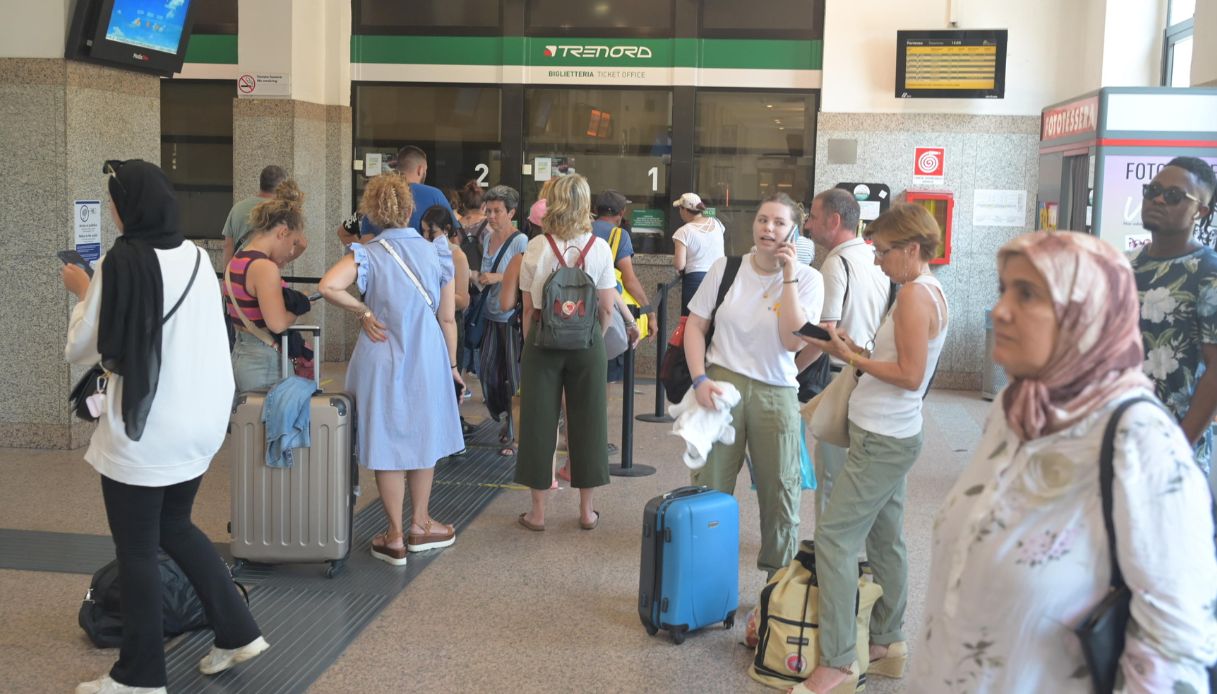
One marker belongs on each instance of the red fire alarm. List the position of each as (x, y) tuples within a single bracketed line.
[(941, 206)]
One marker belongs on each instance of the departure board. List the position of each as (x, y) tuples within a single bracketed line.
[(951, 64)]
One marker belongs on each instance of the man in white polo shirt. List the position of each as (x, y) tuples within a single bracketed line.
[(856, 294)]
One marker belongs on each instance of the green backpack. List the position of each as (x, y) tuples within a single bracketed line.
[(569, 306)]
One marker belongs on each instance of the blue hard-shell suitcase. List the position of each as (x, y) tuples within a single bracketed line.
[(689, 575)]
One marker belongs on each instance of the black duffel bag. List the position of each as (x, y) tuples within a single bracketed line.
[(101, 614)]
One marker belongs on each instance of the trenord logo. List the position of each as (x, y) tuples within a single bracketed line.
[(598, 51)]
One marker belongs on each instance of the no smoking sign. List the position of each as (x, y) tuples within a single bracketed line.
[(264, 84), (246, 84), (929, 165)]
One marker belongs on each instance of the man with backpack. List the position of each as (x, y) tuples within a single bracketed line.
[(610, 215)]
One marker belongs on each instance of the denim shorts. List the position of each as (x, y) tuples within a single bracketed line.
[(255, 365)]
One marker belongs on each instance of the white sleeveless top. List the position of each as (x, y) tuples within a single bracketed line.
[(883, 408)]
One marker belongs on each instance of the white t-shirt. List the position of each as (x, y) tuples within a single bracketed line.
[(193, 401), (859, 314), (703, 243), (540, 262), (746, 338)]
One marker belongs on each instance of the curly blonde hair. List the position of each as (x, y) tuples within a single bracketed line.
[(907, 223), (285, 208), (387, 202), (568, 211)]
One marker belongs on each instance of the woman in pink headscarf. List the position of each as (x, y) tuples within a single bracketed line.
[(1020, 551)]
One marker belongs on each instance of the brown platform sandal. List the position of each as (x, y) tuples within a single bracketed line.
[(395, 556)]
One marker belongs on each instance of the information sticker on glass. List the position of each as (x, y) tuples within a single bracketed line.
[(542, 169)]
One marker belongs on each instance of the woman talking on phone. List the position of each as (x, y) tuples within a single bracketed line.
[(151, 316), (753, 349)]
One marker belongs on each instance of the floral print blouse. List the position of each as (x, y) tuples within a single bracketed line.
[(1178, 316), (1020, 556)]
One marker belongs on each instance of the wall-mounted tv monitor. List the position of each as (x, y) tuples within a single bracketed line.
[(145, 35), (951, 64)]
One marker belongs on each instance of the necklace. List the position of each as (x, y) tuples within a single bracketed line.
[(768, 289)]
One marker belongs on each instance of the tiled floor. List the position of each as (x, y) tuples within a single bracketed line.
[(503, 610)]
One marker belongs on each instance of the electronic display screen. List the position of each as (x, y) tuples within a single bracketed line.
[(150, 24), (960, 64)]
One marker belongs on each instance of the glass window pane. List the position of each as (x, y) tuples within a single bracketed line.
[(655, 15), (747, 145), (215, 16), (783, 15), (1181, 11), (617, 138), (197, 108), (1181, 63), (458, 128), (196, 151), (408, 17)]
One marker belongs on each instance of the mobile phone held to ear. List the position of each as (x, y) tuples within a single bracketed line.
[(813, 330), (74, 258)]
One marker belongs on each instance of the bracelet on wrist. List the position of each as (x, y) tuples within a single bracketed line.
[(793, 281), (700, 380)]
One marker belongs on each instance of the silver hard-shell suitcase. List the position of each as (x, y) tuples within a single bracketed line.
[(303, 513)]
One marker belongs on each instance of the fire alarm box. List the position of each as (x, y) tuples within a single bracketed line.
[(941, 206)]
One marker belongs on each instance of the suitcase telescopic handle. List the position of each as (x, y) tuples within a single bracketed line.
[(285, 361), (684, 491)]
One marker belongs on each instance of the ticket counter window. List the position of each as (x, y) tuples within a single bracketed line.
[(458, 128), (196, 151), (617, 138), (747, 145)]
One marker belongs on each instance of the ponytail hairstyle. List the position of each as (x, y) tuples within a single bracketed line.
[(796, 209), (387, 202), (469, 196), (285, 208), (438, 217)]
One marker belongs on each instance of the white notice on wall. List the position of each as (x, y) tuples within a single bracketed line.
[(542, 170), (999, 208), (87, 223), (371, 165), (869, 209)]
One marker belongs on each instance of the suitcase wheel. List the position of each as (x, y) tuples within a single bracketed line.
[(729, 622), (678, 636), (335, 568), (237, 566), (652, 629)]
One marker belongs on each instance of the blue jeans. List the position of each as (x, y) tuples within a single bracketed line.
[(255, 365)]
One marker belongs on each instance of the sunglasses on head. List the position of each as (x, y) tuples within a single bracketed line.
[(1173, 195), (110, 168)]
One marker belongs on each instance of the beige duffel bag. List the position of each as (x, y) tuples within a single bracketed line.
[(789, 648)]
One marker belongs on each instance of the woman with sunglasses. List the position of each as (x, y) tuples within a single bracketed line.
[(866, 507), (1177, 282), (152, 317)]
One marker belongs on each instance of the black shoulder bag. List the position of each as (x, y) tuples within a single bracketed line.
[(1102, 631), (93, 382), (475, 322), (674, 371), (818, 374)]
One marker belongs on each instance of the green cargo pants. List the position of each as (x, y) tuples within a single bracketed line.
[(767, 421), (866, 507)]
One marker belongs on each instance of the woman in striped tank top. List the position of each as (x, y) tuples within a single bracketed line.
[(253, 287)]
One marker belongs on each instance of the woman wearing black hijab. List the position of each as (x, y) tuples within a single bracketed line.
[(154, 320)]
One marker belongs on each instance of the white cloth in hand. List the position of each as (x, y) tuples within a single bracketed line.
[(701, 428)]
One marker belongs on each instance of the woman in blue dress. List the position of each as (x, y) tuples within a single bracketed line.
[(405, 358)]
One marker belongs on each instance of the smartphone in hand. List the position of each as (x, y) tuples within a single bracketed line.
[(815, 331), (74, 258), (314, 296)]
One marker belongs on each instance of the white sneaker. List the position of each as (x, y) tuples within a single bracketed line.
[(106, 685), (220, 659)]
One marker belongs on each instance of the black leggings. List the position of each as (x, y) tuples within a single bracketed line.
[(141, 520)]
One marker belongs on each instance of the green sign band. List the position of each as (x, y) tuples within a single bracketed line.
[(579, 52), (212, 49)]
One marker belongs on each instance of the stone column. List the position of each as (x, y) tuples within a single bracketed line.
[(307, 131), (62, 119)]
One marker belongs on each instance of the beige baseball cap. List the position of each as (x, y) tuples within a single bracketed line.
[(690, 201)]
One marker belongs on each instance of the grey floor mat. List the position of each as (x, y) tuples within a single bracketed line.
[(307, 618)]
